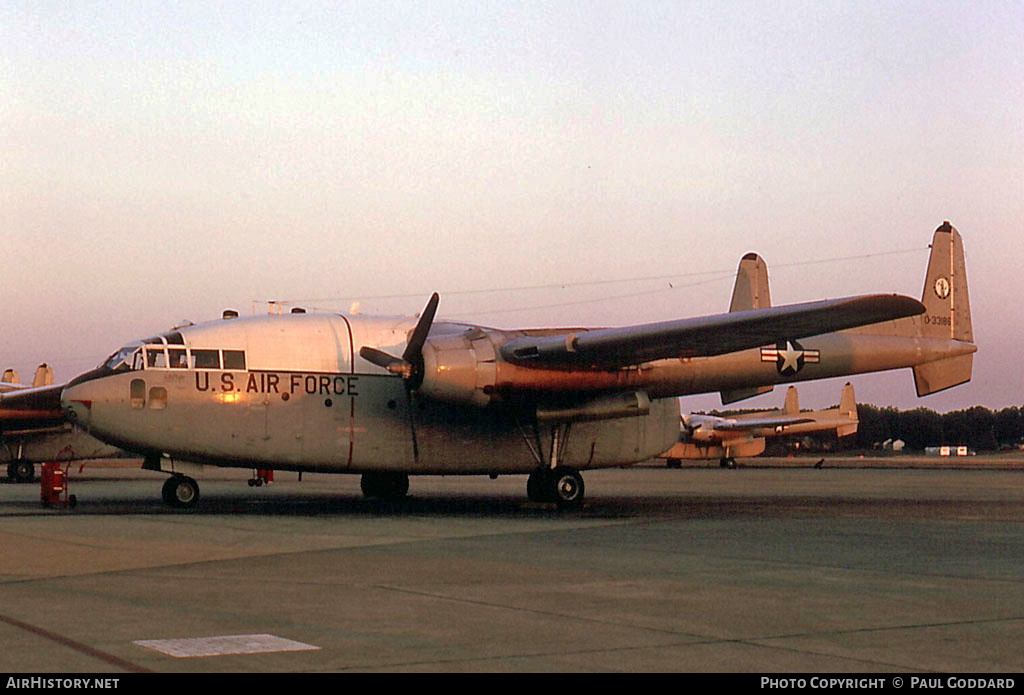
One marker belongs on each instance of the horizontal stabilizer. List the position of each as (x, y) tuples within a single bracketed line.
[(846, 430), (932, 377), (734, 425), (734, 395)]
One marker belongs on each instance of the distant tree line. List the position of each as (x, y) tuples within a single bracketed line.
[(978, 428)]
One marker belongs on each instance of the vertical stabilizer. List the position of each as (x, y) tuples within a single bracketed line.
[(848, 410), (44, 376), (848, 402), (10, 377), (948, 312), (749, 292), (751, 288), (792, 406), (945, 296)]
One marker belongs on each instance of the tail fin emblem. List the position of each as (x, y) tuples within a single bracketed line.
[(942, 288)]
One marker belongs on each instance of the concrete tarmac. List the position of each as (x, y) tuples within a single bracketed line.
[(757, 569)]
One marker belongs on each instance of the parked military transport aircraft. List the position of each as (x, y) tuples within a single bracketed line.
[(704, 437), (392, 397)]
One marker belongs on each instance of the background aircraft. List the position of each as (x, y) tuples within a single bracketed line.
[(390, 397), (706, 437), (33, 431)]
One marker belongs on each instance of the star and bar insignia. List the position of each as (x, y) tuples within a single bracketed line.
[(789, 357)]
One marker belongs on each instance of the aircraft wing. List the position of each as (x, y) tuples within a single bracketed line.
[(731, 425), (705, 336), (31, 407)]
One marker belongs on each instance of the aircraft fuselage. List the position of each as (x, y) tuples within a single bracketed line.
[(221, 393)]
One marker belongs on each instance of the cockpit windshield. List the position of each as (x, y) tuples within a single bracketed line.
[(123, 359)]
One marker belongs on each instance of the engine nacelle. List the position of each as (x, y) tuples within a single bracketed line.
[(463, 368), (460, 368)]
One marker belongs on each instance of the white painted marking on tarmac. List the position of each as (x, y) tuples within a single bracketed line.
[(222, 646)]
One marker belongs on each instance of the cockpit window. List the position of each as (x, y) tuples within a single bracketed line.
[(174, 338), (156, 358), (177, 357), (155, 355), (122, 358)]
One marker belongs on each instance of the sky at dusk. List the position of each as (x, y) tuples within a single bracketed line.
[(537, 163)]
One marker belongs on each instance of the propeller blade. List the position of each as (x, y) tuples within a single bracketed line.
[(395, 365), (414, 348), (410, 363)]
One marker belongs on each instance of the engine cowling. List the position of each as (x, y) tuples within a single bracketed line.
[(460, 368)]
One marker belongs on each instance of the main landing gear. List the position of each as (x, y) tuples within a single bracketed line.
[(181, 492), (562, 485), (21, 472), (385, 485), (552, 480)]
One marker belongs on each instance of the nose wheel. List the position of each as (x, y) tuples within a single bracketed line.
[(181, 492)]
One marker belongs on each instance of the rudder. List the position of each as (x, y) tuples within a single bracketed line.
[(947, 312)]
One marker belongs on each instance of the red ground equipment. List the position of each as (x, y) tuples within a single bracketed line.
[(261, 477), (54, 486)]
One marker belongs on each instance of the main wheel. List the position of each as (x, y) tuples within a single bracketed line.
[(21, 472), (181, 491), (565, 485), (385, 485)]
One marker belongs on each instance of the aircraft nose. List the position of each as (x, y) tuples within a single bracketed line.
[(77, 405)]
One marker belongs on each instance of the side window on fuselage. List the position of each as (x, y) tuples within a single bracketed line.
[(137, 393), (205, 359), (234, 359)]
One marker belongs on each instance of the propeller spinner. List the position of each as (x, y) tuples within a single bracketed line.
[(410, 365)]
